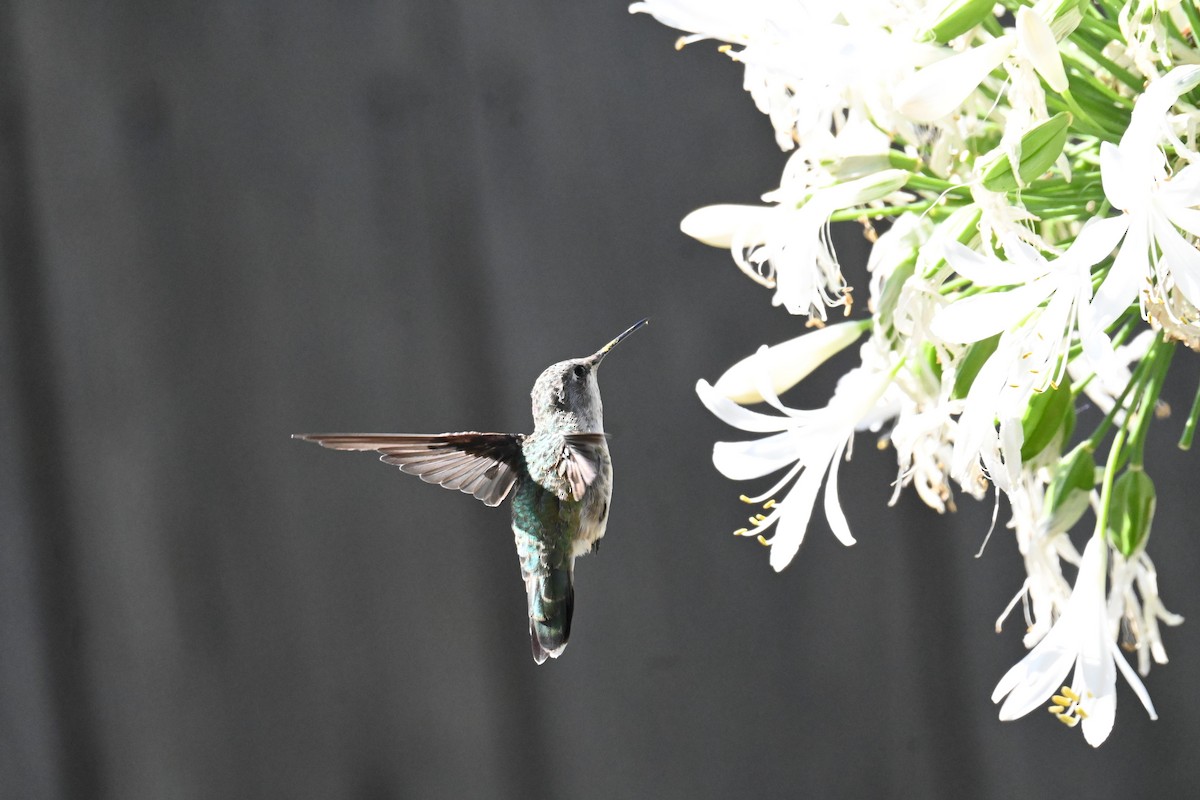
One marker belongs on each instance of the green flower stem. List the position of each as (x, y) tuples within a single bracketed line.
[(1081, 185), (1083, 121), (1193, 16), (1077, 199), (900, 160), (1109, 121), (1056, 211), (1092, 44), (1173, 29), (1189, 427), (992, 25), (1110, 471), (1101, 25), (929, 183), (1149, 399), (857, 213), (1135, 381), (1086, 73)]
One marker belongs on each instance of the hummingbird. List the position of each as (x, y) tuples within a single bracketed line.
[(559, 477)]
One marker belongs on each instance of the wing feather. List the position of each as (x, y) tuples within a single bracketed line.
[(580, 461), (485, 465)]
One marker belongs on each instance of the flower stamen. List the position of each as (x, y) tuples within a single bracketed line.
[(1067, 708)]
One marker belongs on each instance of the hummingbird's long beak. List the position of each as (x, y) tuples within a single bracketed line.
[(599, 355)]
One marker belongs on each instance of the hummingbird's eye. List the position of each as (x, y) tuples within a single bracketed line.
[(580, 371)]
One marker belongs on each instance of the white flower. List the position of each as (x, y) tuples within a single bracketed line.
[(787, 245), (1080, 638), (1037, 319), (807, 443), (1037, 44), (924, 442), (727, 22), (1004, 220), (1140, 617), (941, 88), (808, 64), (786, 363), (1107, 383), (1045, 592), (1156, 204)]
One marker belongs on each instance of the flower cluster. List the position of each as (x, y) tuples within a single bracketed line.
[(1035, 171)]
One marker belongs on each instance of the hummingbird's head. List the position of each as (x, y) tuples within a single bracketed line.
[(568, 392)]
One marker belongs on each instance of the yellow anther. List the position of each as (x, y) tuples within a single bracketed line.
[(1056, 709), (769, 504), (1068, 720), (741, 532), (725, 48), (1058, 699), (681, 42), (1027, 355), (745, 499), (763, 541), (1071, 693), (1082, 714)]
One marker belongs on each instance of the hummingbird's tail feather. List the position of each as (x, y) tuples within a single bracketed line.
[(551, 603)]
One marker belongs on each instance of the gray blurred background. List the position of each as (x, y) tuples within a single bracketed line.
[(225, 222)]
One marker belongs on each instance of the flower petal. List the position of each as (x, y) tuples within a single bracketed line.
[(1128, 274), (1098, 238), (789, 532), (980, 316), (1120, 181), (731, 413), (720, 225), (833, 508), (984, 271), (786, 363), (1135, 682), (1182, 258), (1038, 45), (940, 89), (742, 461), (1034, 678)]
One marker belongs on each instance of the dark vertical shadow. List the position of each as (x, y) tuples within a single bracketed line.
[(40, 446)]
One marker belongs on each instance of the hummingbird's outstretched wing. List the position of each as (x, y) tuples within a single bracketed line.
[(485, 465), (580, 461)]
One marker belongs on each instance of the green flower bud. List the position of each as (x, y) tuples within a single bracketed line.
[(1130, 511), (970, 364), (891, 290), (1040, 148), (956, 18), (1067, 495), (1048, 413)]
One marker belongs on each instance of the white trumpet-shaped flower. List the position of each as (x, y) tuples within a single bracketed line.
[(1140, 611), (1081, 639), (787, 245), (1156, 204), (1037, 318), (941, 89), (786, 363), (807, 443)]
